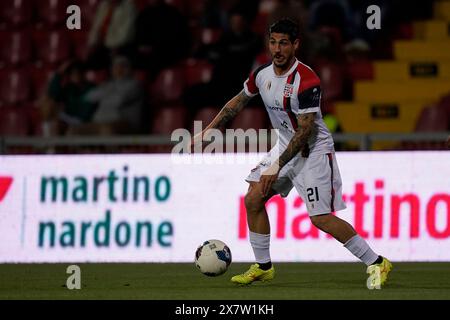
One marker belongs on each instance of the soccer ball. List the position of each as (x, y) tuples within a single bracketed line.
[(213, 258)]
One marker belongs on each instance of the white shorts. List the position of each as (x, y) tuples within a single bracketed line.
[(317, 180)]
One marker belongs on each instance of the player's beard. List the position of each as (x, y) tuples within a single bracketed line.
[(284, 64)]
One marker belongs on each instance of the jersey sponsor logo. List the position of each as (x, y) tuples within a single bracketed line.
[(269, 85), (275, 108), (288, 90)]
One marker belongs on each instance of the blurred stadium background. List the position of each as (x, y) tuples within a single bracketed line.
[(181, 60)]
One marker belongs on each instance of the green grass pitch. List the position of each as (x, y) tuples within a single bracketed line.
[(294, 281)]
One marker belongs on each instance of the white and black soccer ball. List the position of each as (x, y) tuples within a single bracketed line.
[(213, 258)]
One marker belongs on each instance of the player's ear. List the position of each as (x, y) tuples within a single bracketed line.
[(296, 44)]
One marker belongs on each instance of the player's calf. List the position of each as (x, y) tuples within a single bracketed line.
[(341, 230)]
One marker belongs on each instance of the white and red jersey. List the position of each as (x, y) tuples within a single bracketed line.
[(294, 93)]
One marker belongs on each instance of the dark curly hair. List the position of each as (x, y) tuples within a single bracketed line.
[(286, 26)]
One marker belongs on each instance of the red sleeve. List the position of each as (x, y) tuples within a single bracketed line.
[(309, 79), (309, 91), (250, 85)]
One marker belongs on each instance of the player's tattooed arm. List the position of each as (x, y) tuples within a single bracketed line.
[(230, 110), (306, 128)]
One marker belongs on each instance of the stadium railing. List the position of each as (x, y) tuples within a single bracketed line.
[(43, 145)]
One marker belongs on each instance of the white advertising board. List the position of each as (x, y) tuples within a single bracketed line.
[(151, 208)]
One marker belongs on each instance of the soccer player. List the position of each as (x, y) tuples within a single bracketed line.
[(303, 157)]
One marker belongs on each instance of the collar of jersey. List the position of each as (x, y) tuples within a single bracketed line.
[(294, 66)]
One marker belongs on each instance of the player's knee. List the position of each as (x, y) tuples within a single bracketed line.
[(253, 202), (322, 221)]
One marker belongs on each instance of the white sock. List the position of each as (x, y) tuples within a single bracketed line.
[(261, 246), (360, 249)]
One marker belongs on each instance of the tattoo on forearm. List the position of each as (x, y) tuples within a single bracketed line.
[(300, 139), (225, 115), (231, 109)]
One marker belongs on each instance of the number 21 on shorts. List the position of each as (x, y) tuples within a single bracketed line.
[(313, 194)]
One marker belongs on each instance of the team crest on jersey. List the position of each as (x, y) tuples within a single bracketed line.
[(269, 85), (288, 90)]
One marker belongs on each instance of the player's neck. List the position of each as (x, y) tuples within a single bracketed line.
[(282, 71)]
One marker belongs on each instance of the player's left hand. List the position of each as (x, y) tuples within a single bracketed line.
[(268, 178)]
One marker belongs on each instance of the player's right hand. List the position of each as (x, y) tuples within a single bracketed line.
[(268, 178)]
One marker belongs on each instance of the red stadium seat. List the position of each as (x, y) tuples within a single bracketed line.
[(164, 122), (141, 75), (14, 121), (14, 87), (433, 119), (140, 4), (445, 105), (168, 119), (40, 78), (262, 58), (194, 8), (16, 48), (35, 120), (210, 36), (260, 24), (39, 127), (205, 36), (179, 4), (332, 79), (404, 31), (206, 115), (52, 47), (79, 41), (327, 107), (88, 9), (52, 12), (333, 35), (16, 12), (168, 86), (360, 70), (197, 71), (251, 117), (97, 76)]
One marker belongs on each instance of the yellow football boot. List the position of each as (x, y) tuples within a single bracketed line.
[(254, 274), (378, 273)]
